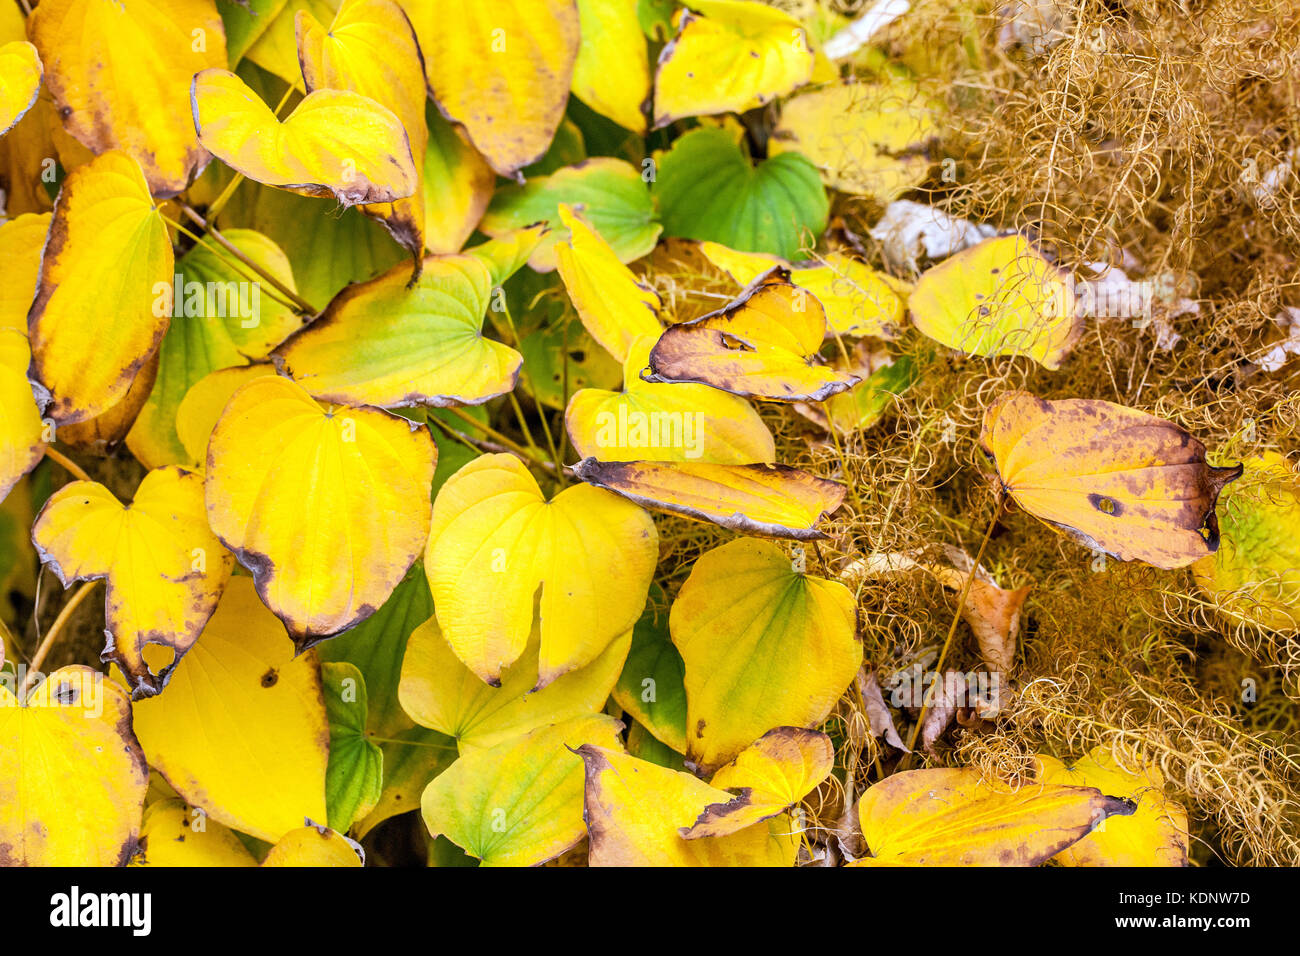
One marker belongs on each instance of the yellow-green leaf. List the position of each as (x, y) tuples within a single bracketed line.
[(107, 243), (496, 539), (458, 185), (441, 693), (775, 501), (120, 71), (390, 343), (72, 777), (335, 143), (765, 645), (292, 489), (241, 730), (518, 803)]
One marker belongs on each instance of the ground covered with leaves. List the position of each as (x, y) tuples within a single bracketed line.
[(629, 432)]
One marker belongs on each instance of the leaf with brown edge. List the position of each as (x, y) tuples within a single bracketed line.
[(501, 69), (292, 488), (635, 811), (952, 817), (496, 540), (1114, 479), (164, 568), (20, 81), (107, 243), (763, 344), (771, 775), (119, 72), (370, 48), (775, 501), (336, 143), (72, 775), (102, 433), (395, 342)]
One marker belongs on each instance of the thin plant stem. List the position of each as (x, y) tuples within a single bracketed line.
[(68, 465), (57, 628)]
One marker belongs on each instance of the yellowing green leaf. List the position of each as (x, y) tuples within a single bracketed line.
[(107, 243), (203, 404), (614, 199), (72, 777), (389, 343), (775, 501), (509, 251), (370, 48), (174, 834), (1112, 478), (20, 81), (335, 143), (292, 489), (219, 319), (663, 421), (441, 693), (771, 775), (518, 803), (241, 730), (314, 846), (1156, 833), (354, 780), (635, 811), (119, 71), (952, 817), (614, 307), (496, 539), (612, 72), (1000, 297), (858, 300), (501, 69), (864, 138), (765, 645), (650, 686), (164, 568), (22, 433), (458, 185), (761, 345), (736, 56)]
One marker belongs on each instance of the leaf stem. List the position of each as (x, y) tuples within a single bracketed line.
[(501, 439), (68, 465), (52, 635)]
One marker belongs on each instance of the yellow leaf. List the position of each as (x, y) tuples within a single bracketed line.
[(20, 81), (370, 48), (21, 241), (335, 143), (858, 300), (614, 307), (635, 811), (864, 138), (1114, 479), (657, 421), (173, 834), (518, 803), (763, 344), (102, 433), (501, 69), (440, 692), (314, 846), (107, 243), (1156, 833), (387, 342), (203, 404), (163, 567), (1255, 574), (1000, 297), (496, 539), (738, 55), (765, 645), (775, 501), (293, 488), (23, 153), (612, 72), (241, 730), (458, 185), (771, 775), (119, 71), (951, 817), (22, 433), (72, 777)]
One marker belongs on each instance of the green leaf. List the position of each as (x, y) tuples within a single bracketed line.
[(613, 196), (707, 189), (354, 780), (565, 349), (651, 686), (412, 758), (245, 21)]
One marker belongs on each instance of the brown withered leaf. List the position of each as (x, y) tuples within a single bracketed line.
[(878, 715)]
